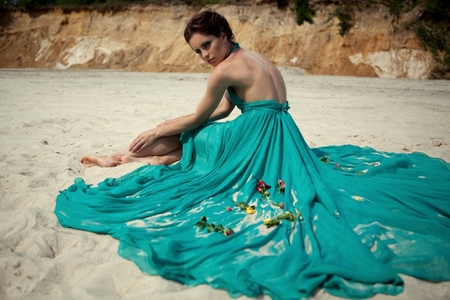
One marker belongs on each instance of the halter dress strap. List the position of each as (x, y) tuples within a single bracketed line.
[(234, 47)]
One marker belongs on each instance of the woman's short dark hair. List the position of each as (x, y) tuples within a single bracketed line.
[(210, 23)]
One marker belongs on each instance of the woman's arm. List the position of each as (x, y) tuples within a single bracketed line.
[(219, 80), (224, 108), (166, 122)]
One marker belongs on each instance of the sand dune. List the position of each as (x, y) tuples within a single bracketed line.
[(49, 119)]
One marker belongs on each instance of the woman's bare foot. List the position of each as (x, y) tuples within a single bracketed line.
[(102, 161)]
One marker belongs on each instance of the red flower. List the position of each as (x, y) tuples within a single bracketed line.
[(228, 231), (261, 187), (282, 205)]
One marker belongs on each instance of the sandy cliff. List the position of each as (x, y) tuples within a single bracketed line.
[(149, 38)]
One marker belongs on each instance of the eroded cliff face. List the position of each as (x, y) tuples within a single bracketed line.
[(150, 38)]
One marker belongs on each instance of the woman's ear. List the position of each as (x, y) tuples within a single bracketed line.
[(223, 36)]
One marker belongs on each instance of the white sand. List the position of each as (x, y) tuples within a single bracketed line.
[(49, 119)]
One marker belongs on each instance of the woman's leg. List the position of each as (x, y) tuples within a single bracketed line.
[(165, 159), (164, 150)]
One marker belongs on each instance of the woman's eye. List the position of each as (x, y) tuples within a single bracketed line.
[(197, 51), (206, 45)]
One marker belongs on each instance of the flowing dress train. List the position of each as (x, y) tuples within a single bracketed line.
[(252, 209)]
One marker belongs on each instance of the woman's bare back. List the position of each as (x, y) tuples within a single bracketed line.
[(259, 79)]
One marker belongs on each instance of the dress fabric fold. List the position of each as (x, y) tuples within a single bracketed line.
[(250, 208)]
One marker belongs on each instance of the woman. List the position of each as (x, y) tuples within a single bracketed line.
[(251, 209), (250, 75)]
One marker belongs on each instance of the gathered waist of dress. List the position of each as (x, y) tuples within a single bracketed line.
[(265, 105)]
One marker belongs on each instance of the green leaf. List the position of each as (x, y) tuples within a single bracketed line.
[(201, 224), (287, 216), (271, 222), (242, 205)]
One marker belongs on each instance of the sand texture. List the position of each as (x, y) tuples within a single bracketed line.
[(49, 119)]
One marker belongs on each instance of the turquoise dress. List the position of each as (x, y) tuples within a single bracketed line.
[(250, 208)]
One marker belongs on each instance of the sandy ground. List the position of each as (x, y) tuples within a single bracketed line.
[(49, 119)]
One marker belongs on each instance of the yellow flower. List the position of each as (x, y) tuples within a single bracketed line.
[(250, 210), (271, 222), (267, 221)]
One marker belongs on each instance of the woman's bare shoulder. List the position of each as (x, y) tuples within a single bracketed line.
[(233, 69)]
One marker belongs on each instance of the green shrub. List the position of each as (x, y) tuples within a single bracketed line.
[(304, 12), (30, 4), (432, 28), (344, 14), (282, 4), (395, 6)]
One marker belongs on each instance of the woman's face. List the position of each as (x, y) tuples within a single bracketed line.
[(211, 49)]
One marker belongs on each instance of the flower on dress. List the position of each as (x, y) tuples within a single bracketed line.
[(324, 159), (250, 210), (242, 205), (280, 205), (281, 186), (228, 208), (262, 187), (228, 231), (203, 223), (288, 216), (271, 222), (211, 227)]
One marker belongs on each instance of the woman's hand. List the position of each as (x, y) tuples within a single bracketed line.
[(143, 140)]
